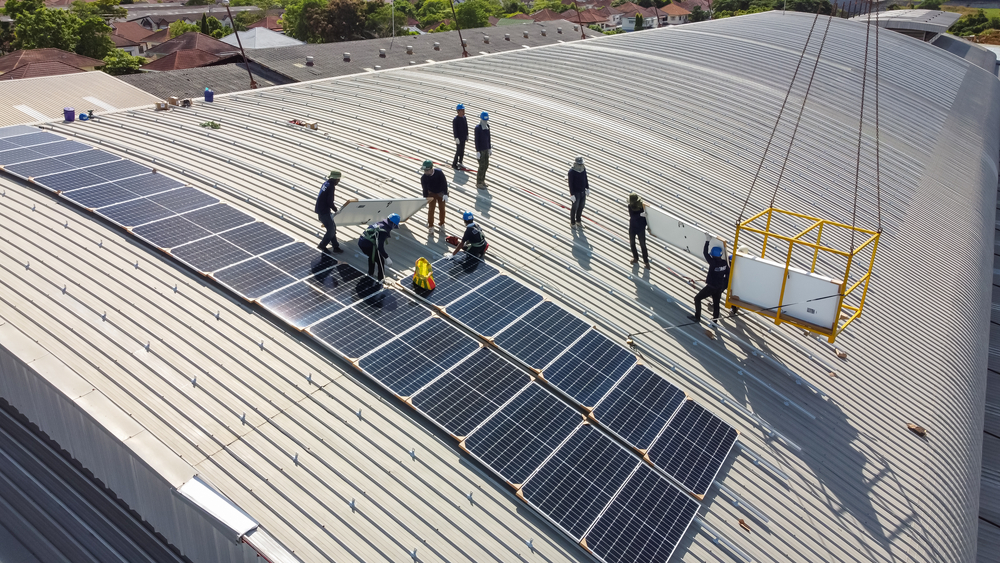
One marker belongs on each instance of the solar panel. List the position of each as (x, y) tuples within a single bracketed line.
[(218, 218), (118, 170), (7, 145), (494, 305), (13, 130), (132, 213), (257, 238), (693, 447), (86, 158), (639, 407), (14, 156), (34, 138), (253, 278), (183, 199), (100, 195), (170, 232), (589, 368), (469, 393), (415, 358), (149, 184), (69, 180), (518, 438), (41, 167), (454, 278), (541, 335), (300, 260), (579, 480), (353, 333), (60, 148), (209, 254), (343, 284), (300, 304)]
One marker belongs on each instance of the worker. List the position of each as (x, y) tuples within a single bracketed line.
[(484, 148), (460, 127), (435, 187), (473, 236), (372, 243), (579, 189), (325, 208), (716, 281), (637, 227)]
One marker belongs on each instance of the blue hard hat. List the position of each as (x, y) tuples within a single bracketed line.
[(716, 251), (394, 218), (484, 116), (460, 106), (467, 216)]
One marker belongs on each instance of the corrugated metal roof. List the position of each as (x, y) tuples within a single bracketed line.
[(31, 100), (935, 21), (260, 37), (688, 135), (191, 82)]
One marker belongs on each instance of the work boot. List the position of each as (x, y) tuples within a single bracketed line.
[(634, 261), (734, 312), (694, 318), (321, 248), (338, 250), (646, 265)]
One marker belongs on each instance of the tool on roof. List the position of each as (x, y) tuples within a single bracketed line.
[(918, 430), (796, 293), (423, 274)]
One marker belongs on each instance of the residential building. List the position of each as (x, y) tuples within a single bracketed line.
[(260, 38), (185, 58), (134, 33), (35, 70), (127, 45), (193, 40), (674, 14), (23, 57), (272, 22)]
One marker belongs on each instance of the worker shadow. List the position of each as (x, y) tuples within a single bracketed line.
[(484, 201), (582, 250), (461, 177)]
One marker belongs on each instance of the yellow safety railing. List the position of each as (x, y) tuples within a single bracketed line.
[(816, 225)]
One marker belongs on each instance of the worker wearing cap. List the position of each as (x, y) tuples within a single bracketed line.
[(372, 243), (473, 236), (325, 208), (460, 127), (579, 189), (715, 282), (435, 187), (637, 227), (484, 148)]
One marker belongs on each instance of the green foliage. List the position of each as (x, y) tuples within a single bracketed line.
[(82, 29), (317, 21), (45, 28), (511, 7), (698, 15), (204, 24), (119, 62), (264, 4), (474, 13), (243, 20), (554, 5), (107, 10), (198, 2), (378, 22), (929, 5), (15, 8), (433, 11), (95, 38), (974, 24), (720, 15), (180, 27), (638, 22)]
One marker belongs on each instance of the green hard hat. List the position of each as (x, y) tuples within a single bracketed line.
[(334, 175), (427, 165)]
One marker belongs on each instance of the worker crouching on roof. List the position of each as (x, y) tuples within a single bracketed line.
[(435, 187), (484, 149), (637, 227), (325, 208), (473, 237), (579, 189), (460, 127), (716, 281), (372, 243)]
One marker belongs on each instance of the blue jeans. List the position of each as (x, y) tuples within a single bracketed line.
[(331, 230), (576, 210)]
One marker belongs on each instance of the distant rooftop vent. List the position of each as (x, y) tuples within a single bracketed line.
[(576, 28), (506, 37), (309, 60), (381, 53), (543, 33), (465, 42), (409, 49), (437, 46), (558, 30), (347, 57), (525, 34), (486, 39), (413, 62), (377, 67)]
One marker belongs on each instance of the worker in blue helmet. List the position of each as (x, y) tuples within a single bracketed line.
[(484, 149), (460, 128), (716, 281), (473, 237), (372, 243), (325, 208)]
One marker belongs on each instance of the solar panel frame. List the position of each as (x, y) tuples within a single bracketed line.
[(15, 130), (301, 260), (693, 447), (86, 158), (149, 184), (101, 195), (494, 305), (639, 407), (209, 254), (455, 278), (70, 180), (60, 148), (257, 238), (170, 232), (300, 304), (589, 368), (44, 166), (133, 213), (16, 156), (253, 278), (118, 170), (541, 334), (218, 218), (351, 331), (37, 137), (183, 199)]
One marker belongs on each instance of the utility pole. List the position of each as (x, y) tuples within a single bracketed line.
[(253, 83)]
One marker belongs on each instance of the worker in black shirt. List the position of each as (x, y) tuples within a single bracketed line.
[(715, 282), (637, 227), (579, 189), (325, 209), (473, 236), (484, 149), (372, 243), (460, 128), (435, 187)]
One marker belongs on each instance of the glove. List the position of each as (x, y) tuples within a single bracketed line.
[(708, 237), (457, 142), (478, 156), (572, 198), (588, 193), (643, 214), (388, 261), (489, 152), (445, 198), (452, 256)]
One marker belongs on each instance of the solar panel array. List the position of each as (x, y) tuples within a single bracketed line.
[(585, 482)]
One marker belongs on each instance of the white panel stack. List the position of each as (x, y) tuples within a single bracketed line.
[(368, 211), (808, 297), (678, 232)]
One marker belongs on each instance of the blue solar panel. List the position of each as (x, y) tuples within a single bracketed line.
[(353, 333), (15, 156), (541, 335), (183, 199), (70, 180), (100, 195), (149, 184), (494, 305), (639, 407), (300, 304), (518, 438), (34, 138), (579, 480), (300, 260), (60, 148), (133, 213), (118, 170), (468, 394), (588, 370), (7, 145), (257, 238), (253, 278), (218, 218), (209, 254), (35, 168), (170, 232), (414, 359), (693, 447), (454, 278), (14, 130), (343, 284), (86, 158)]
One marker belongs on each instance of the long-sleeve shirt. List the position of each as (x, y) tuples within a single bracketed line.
[(435, 183), (578, 182), (324, 201), (474, 236), (636, 222), (482, 139), (382, 230), (718, 269), (460, 127)]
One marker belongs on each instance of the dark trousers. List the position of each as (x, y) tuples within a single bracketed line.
[(484, 163), (642, 243), (576, 210), (374, 261), (331, 230), (715, 293), (477, 252), (459, 154)]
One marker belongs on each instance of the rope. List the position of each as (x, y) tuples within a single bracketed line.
[(878, 160), (861, 123), (778, 120)]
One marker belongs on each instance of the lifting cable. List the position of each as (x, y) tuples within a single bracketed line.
[(861, 123), (777, 121), (878, 160)]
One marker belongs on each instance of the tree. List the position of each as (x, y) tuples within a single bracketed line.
[(44, 28), (180, 27), (432, 11), (14, 8), (511, 7), (107, 10), (119, 62), (378, 21), (198, 3), (929, 5), (554, 5), (698, 15), (318, 21), (472, 14), (204, 24), (94, 38)]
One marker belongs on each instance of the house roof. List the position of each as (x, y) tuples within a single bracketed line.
[(185, 58), (630, 9), (270, 22), (588, 16), (35, 70), (158, 37), (191, 82), (120, 42), (674, 10), (689, 5), (193, 40), (17, 58), (29, 100), (547, 14), (261, 38), (131, 30)]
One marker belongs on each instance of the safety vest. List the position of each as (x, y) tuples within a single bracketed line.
[(423, 274), (482, 237), (371, 234)]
